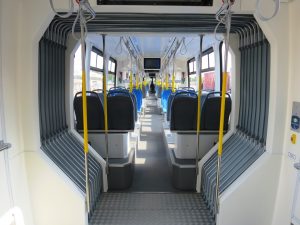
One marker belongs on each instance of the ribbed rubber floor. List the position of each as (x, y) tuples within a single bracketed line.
[(151, 209)]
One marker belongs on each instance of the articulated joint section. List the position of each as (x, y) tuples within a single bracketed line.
[(4, 146)]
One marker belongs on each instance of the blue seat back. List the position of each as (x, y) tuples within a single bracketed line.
[(171, 97), (164, 99), (184, 111), (120, 108), (139, 97)]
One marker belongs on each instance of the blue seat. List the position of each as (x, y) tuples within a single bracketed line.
[(120, 109), (164, 99), (171, 97), (139, 97)]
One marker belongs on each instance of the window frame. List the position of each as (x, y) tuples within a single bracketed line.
[(96, 69), (207, 52), (100, 53)]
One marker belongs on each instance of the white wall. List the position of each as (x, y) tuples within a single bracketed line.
[(55, 199), (9, 63), (284, 202)]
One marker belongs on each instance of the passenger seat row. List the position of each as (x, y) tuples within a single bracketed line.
[(121, 109), (183, 111)]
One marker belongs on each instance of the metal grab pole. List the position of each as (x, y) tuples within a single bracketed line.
[(221, 134), (105, 104), (224, 86), (84, 110), (167, 81), (130, 77), (199, 104), (173, 75)]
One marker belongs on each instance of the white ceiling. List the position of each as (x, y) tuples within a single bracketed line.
[(152, 45)]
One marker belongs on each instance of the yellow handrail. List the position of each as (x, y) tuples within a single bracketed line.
[(84, 110), (130, 83), (221, 128), (167, 81), (137, 79), (220, 144), (199, 104), (173, 83), (85, 121), (105, 104)]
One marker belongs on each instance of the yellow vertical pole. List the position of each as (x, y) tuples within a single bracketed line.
[(130, 82), (84, 112), (221, 128), (137, 81), (173, 83), (167, 81), (199, 104), (105, 104)]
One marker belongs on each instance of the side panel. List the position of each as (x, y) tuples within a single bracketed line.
[(250, 199), (55, 199)]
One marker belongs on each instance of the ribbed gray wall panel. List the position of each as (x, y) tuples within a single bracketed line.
[(57, 142), (242, 149)]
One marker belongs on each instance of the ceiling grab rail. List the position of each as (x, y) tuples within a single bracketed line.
[(82, 18), (224, 17), (199, 103)]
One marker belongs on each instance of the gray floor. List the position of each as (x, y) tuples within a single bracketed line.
[(152, 172), (151, 200), (151, 209)]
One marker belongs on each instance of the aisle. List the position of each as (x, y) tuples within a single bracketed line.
[(152, 173), (151, 200)]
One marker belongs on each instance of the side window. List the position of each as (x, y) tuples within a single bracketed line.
[(95, 72), (77, 71), (192, 76), (112, 70), (96, 69), (208, 71)]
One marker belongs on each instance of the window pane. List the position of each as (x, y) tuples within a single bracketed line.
[(77, 72), (96, 80), (191, 67), (110, 81), (99, 62), (229, 67), (109, 65), (93, 62), (113, 67), (211, 60), (208, 81), (193, 81), (195, 68), (204, 62)]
